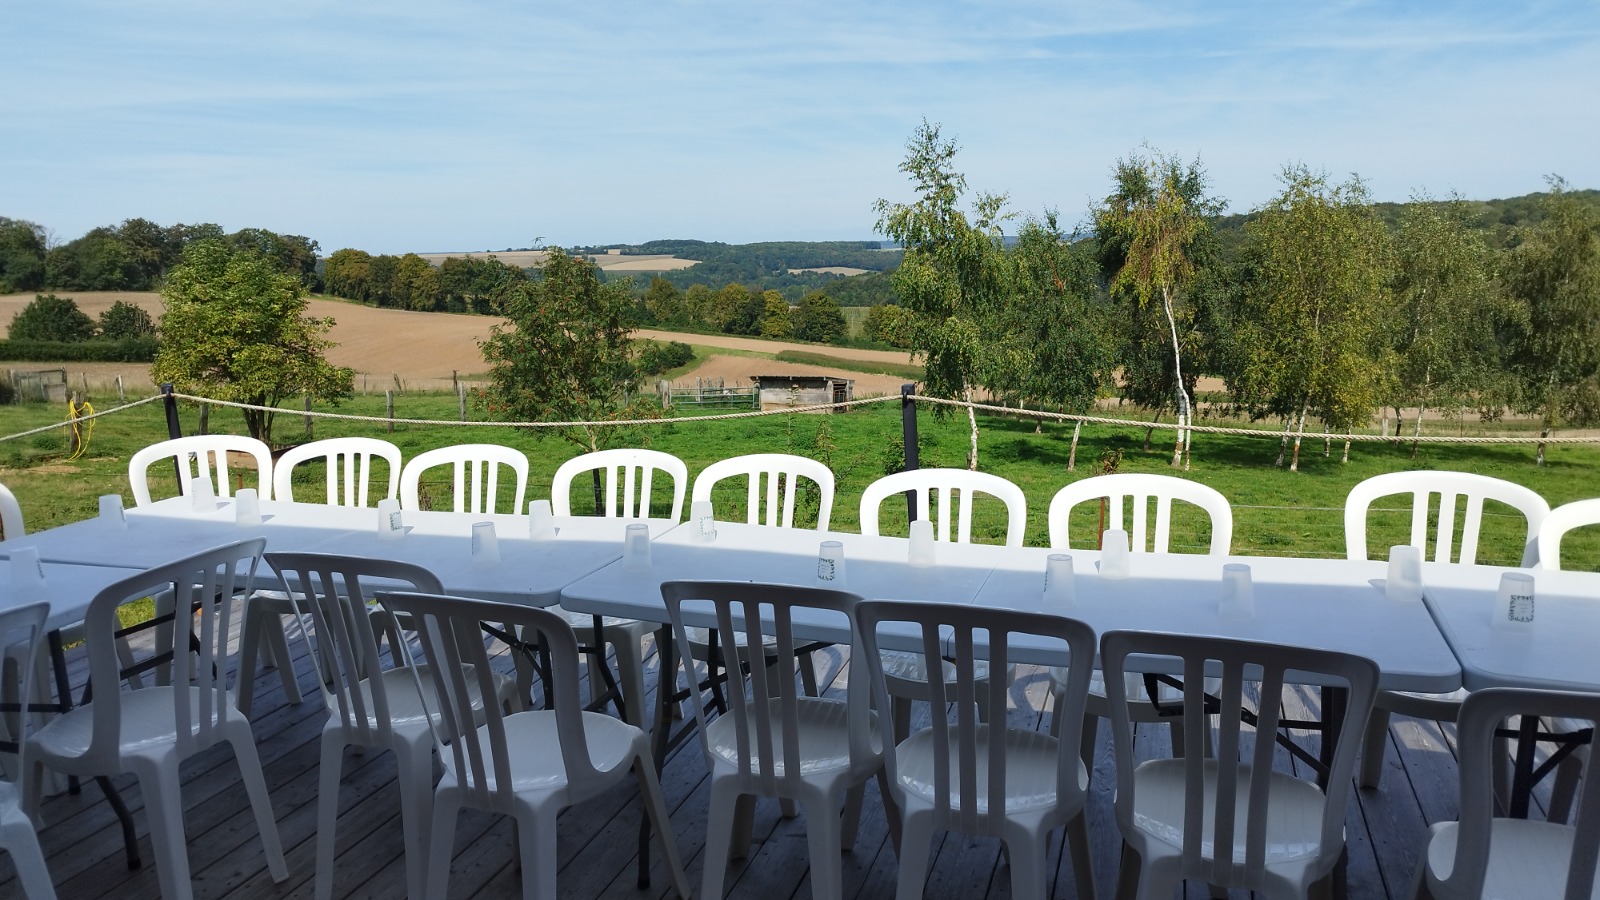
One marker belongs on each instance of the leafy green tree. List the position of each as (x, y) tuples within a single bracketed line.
[(1154, 231), (1318, 269), (887, 323), (124, 320), (293, 253), (235, 329), (665, 302), (22, 253), (469, 284), (566, 354), (820, 320), (416, 284), (51, 318), (953, 276), (1554, 274), (700, 306), (1446, 311), (775, 316), (348, 274), (99, 261)]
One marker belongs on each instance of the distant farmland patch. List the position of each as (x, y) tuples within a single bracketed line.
[(832, 270), (610, 262)]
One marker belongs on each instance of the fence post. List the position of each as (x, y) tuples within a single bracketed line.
[(908, 437), (120, 397), (308, 417), (174, 430), (388, 402), (461, 394)]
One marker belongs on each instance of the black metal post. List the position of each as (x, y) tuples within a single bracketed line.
[(599, 499), (174, 431), (908, 436)]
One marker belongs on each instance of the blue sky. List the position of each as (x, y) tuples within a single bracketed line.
[(398, 126)]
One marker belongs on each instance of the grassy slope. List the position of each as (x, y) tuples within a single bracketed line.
[(1276, 511)]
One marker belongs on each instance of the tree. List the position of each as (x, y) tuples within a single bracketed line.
[(1446, 311), (775, 316), (665, 302), (22, 253), (886, 323), (1153, 230), (348, 274), (566, 354), (1554, 274), (51, 318), (819, 319), (235, 329), (952, 278), (1317, 270), (124, 320), (416, 284)]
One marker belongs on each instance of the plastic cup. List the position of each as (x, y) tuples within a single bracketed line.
[(703, 520), (27, 572), (1404, 580), (112, 515), (830, 564), (1514, 605), (247, 508), (541, 521), (636, 548), (1058, 579), (1238, 597), (923, 552), (202, 496), (391, 525), (485, 545), (1114, 561)]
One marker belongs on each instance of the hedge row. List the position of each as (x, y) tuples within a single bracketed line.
[(137, 349)]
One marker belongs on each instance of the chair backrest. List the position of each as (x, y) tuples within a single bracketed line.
[(475, 486), (780, 498), (451, 636), (1230, 849), (197, 455), (21, 633), (1481, 716), (1449, 486), (349, 469), (632, 470), (11, 525), (960, 482), (333, 592), (1137, 490), (1561, 520), (969, 760), (205, 583), (757, 610)]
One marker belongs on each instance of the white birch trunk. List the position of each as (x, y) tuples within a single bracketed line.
[(972, 420), (1299, 435), (1072, 456)]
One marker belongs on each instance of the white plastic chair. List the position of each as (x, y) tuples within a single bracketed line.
[(368, 706), (348, 465), (1128, 498), (475, 479), (773, 741), (150, 731), (960, 483), (11, 524), (201, 454), (1484, 856), (630, 479), (1274, 833), (1138, 491), (906, 674), (772, 468), (1450, 488), (21, 633), (1561, 520), (530, 765), (348, 462), (1015, 784)]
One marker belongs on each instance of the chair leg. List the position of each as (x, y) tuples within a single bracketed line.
[(1087, 739), (1374, 743), (1128, 866), (630, 675), (744, 817), (28, 858), (414, 765), (822, 836), (255, 785), (1028, 856), (808, 674), (278, 649), (915, 847), (442, 840), (536, 835), (163, 803), (721, 817), (650, 789), (1565, 786), (1082, 858), (328, 777), (850, 819)]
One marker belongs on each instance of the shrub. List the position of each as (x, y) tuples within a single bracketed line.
[(51, 318), (655, 358), (126, 350)]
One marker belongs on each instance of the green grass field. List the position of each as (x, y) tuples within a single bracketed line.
[(1276, 511)]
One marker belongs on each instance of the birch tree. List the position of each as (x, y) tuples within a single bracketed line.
[(1316, 270), (952, 279), (1154, 230)]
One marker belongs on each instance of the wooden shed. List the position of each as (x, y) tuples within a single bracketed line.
[(778, 391)]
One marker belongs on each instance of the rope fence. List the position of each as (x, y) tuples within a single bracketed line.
[(1078, 418)]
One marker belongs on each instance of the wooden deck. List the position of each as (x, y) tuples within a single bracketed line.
[(598, 841)]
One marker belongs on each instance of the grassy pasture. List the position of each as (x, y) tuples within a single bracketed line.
[(1276, 512)]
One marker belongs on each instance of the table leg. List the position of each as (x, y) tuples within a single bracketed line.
[(1522, 772)]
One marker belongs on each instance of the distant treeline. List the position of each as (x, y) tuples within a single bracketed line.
[(766, 266)]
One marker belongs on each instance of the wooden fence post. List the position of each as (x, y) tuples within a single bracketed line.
[(388, 403), (461, 395)]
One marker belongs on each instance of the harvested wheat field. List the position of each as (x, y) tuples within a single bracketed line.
[(610, 262)]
